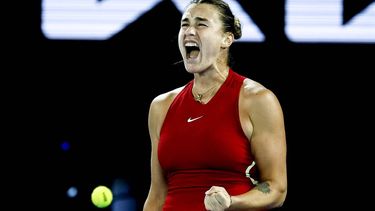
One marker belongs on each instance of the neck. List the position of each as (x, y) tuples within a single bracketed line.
[(206, 95), (205, 86)]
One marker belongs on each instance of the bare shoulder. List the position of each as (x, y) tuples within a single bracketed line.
[(158, 110), (161, 103), (166, 98), (255, 93)]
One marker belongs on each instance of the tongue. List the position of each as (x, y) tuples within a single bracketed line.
[(194, 54)]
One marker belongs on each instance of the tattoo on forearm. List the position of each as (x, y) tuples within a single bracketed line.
[(263, 187)]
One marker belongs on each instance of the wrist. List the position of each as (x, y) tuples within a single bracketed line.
[(231, 201)]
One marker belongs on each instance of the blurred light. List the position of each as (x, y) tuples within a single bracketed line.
[(100, 20), (122, 197), (322, 21), (72, 192), (65, 145)]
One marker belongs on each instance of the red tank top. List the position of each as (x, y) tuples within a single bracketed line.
[(202, 145)]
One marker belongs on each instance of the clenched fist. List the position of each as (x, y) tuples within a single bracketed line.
[(217, 199)]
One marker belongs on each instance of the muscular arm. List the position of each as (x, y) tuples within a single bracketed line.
[(158, 188), (263, 123)]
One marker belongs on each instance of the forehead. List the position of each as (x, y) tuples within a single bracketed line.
[(205, 11)]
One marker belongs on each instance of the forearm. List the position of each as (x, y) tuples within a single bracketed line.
[(264, 196), (152, 207), (155, 199), (153, 204)]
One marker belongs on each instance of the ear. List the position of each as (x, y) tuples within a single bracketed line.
[(227, 40)]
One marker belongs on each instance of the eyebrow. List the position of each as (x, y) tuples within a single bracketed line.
[(197, 18)]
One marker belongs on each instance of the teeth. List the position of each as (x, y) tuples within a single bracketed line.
[(191, 44)]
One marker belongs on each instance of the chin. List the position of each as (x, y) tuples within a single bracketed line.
[(192, 68)]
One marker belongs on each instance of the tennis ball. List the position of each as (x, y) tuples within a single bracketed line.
[(101, 196)]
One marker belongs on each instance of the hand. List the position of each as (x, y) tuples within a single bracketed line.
[(217, 199)]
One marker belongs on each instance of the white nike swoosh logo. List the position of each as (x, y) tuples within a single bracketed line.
[(193, 119)]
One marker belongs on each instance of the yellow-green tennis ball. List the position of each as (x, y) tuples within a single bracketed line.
[(101, 196)]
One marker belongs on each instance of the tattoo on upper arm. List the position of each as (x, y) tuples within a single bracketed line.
[(263, 187)]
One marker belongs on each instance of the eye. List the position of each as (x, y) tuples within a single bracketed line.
[(202, 25), (184, 25)]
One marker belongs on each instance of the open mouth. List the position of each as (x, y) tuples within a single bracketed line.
[(192, 50)]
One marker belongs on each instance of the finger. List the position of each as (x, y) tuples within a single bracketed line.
[(222, 199), (211, 190), (211, 203), (208, 203), (215, 203)]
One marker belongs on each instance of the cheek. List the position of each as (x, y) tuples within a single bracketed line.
[(211, 42), (180, 35), (211, 47), (180, 41)]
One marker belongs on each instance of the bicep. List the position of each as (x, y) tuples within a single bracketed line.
[(158, 187), (268, 138)]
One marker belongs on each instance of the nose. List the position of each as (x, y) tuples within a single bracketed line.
[(190, 31)]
